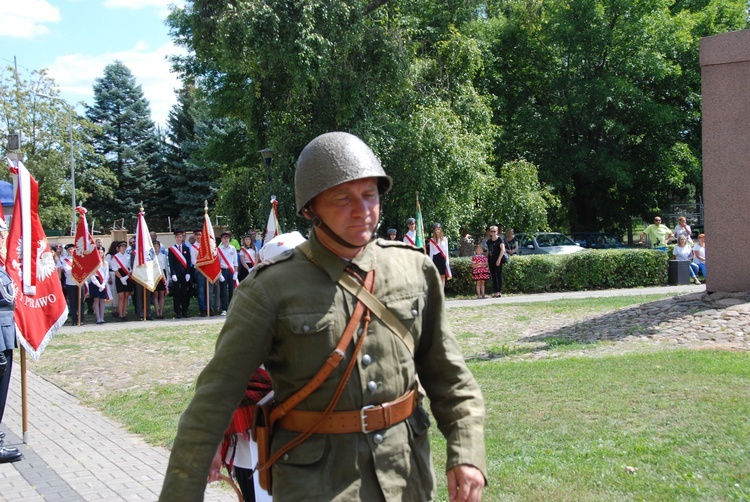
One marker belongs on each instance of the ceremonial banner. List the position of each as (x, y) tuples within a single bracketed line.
[(207, 262), (419, 238), (146, 269), (40, 304), (86, 259), (272, 227)]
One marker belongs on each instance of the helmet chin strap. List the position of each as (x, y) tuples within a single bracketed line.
[(318, 223)]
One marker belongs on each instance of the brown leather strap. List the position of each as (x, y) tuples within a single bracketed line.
[(368, 419), (331, 363), (322, 374)]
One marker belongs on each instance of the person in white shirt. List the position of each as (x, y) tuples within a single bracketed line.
[(161, 288), (410, 236), (229, 276), (438, 246), (699, 254), (248, 256), (99, 287), (120, 266), (683, 252), (683, 228)]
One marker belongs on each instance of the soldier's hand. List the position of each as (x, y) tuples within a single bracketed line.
[(465, 484), (214, 474), (124, 281)]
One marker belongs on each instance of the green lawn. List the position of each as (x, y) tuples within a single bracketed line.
[(665, 425)]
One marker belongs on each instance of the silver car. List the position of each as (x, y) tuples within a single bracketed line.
[(546, 243)]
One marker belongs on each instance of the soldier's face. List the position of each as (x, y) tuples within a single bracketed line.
[(351, 210)]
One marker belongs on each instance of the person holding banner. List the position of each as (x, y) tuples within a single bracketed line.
[(181, 265), (161, 288), (120, 266), (360, 431), (99, 287), (439, 252), (229, 276), (72, 289)]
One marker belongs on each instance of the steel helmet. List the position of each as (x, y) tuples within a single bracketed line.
[(332, 159)]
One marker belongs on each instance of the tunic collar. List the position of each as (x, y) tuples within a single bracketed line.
[(334, 265)]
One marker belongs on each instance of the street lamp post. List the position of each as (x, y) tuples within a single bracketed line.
[(267, 154), (72, 157)]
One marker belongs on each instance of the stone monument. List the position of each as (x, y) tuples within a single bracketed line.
[(725, 76)]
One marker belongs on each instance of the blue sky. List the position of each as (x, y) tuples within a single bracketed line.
[(75, 39)]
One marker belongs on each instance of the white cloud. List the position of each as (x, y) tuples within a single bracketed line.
[(76, 75), (162, 5), (26, 19)]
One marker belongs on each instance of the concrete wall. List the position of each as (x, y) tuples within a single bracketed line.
[(725, 73)]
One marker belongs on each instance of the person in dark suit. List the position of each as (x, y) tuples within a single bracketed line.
[(181, 265), (7, 343)]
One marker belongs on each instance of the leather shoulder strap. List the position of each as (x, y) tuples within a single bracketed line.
[(371, 301), (376, 307)]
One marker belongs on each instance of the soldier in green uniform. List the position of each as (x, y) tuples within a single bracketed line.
[(291, 316)]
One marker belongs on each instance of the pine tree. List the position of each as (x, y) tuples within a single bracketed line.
[(190, 173), (128, 141)]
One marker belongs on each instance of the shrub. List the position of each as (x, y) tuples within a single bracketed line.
[(600, 269)]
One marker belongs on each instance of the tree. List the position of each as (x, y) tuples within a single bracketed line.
[(127, 140), (32, 108), (604, 96), (400, 76)]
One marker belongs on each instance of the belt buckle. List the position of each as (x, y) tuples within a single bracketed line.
[(363, 418)]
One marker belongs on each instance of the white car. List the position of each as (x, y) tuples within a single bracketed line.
[(546, 243)]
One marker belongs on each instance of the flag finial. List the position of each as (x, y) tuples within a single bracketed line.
[(205, 207), (141, 206)]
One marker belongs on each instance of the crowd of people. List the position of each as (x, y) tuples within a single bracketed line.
[(112, 286), (659, 235)]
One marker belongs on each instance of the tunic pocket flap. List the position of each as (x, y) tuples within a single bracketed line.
[(303, 324), (309, 452)]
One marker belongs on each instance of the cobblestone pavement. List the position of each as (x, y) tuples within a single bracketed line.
[(73, 453)]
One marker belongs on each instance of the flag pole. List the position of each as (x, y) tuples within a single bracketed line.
[(208, 287), (80, 294), (24, 399), (208, 298)]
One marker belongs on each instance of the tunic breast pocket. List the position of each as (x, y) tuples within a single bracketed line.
[(408, 311), (303, 336)]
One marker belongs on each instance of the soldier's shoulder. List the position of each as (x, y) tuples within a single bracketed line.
[(385, 243), (270, 262), (396, 249)]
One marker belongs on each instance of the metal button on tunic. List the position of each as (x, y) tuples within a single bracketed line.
[(366, 359), (377, 438), (372, 386), (306, 328)]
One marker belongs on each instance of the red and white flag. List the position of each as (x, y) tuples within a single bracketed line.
[(40, 305), (207, 262), (86, 259), (146, 269), (272, 227)]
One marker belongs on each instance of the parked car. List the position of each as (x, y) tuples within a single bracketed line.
[(597, 240), (546, 243)]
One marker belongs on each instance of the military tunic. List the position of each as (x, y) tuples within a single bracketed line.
[(290, 317)]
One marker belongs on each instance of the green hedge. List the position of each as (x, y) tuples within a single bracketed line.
[(600, 269)]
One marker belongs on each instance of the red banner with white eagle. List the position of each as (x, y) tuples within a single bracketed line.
[(86, 259), (207, 262), (40, 304)]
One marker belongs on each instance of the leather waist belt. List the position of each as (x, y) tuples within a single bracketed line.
[(368, 419)]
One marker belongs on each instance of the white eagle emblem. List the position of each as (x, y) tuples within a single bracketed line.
[(45, 261)]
